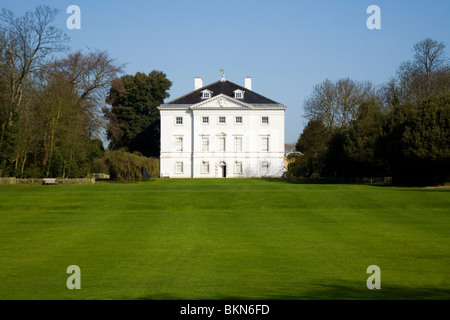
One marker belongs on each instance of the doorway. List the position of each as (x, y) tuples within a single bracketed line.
[(223, 171)]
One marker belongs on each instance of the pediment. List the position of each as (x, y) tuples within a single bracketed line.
[(221, 102)]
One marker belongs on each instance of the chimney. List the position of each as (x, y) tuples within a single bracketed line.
[(248, 83), (198, 83)]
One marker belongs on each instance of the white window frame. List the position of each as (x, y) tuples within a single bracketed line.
[(238, 168), (179, 144), (236, 120), (239, 94), (206, 94), (205, 118), (224, 120), (205, 149), (179, 167), (265, 167), (264, 123), (265, 144), (222, 147), (204, 165), (176, 121), (238, 147)]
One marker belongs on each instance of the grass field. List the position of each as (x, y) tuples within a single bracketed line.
[(224, 239)]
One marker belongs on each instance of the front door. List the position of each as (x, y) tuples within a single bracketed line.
[(222, 169)]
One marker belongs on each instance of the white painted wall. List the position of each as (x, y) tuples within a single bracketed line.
[(251, 131)]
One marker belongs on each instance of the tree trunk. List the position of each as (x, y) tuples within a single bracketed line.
[(23, 165), (52, 141)]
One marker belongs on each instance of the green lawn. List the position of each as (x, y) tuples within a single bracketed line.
[(224, 239)]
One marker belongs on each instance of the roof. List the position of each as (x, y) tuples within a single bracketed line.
[(222, 87)]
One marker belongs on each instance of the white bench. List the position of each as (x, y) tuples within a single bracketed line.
[(49, 181)]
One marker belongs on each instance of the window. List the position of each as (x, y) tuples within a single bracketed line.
[(264, 120), (179, 120), (205, 144), (239, 120), (265, 144), (206, 94), (238, 167), (205, 167), (238, 144), (205, 120), (179, 167), (221, 143), (222, 119), (264, 167), (179, 144), (239, 94)]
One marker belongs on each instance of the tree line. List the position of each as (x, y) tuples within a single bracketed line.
[(55, 105), (399, 129)]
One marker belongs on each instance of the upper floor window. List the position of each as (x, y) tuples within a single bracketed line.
[(239, 120), (205, 120), (265, 144), (222, 120), (264, 120), (221, 143), (179, 143), (179, 120), (239, 94), (206, 94), (238, 144), (205, 144)]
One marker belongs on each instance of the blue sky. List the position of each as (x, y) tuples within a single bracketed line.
[(285, 46)]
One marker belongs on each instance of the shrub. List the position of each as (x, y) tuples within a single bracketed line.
[(125, 166)]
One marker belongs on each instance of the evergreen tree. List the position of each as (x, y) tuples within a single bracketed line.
[(418, 141), (133, 119), (362, 141), (312, 143)]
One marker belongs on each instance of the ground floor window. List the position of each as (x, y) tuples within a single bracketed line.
[(264, 167), (179, 167), (238, 167), (205, 167)]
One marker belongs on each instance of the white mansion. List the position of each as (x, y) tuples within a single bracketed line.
[(222, 130)]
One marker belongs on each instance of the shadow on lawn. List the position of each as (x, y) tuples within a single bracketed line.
[(301, 180), (354, 291), (319, 181), (336, 291)]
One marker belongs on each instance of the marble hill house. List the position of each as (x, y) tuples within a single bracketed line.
[(222, 130)]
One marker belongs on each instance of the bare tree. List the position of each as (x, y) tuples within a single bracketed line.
[(429, 56), (25, 44), (427, 74), (27, 41), (91, 75), (336, 103), (320, 105)]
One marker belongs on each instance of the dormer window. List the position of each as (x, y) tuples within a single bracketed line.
[(206, 94), (239, 94)]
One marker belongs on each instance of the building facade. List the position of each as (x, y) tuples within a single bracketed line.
[(222, 130)]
